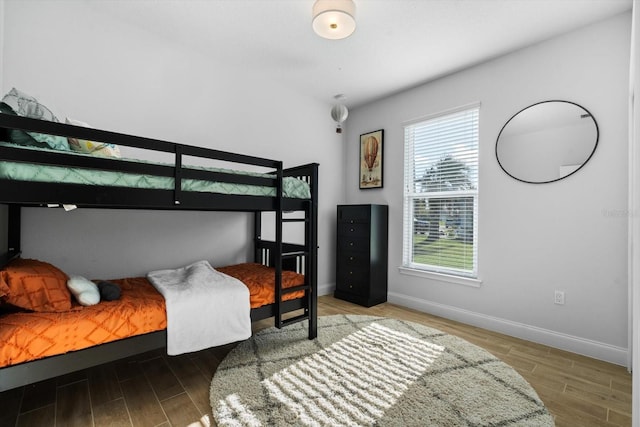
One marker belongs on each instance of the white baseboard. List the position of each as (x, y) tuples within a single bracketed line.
[(585, 347), (326, 289)]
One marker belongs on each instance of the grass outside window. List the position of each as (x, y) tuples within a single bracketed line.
[(442, 252)]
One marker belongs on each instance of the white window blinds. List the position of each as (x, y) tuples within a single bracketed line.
[(441, 194)]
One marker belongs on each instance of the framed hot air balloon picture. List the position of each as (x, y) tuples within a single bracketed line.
[(371, 159)]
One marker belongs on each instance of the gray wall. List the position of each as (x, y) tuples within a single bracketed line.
[(533, 239)]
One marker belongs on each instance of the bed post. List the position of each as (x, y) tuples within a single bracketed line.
[(313, 253), (13, 230), (13, 235), (277, 255), (257, 236)]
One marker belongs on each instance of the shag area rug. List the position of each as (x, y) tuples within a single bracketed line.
[(366, 371)]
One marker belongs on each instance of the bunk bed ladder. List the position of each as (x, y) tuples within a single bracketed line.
[(306, 287), (295, 257), (280, 256), (309, 255)]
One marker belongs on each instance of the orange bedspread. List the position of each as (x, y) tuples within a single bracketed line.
[(27, 336), (261, 282)]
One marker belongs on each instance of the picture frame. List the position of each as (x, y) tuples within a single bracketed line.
[(371, 159)]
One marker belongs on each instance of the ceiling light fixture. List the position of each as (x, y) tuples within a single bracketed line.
[(334, 19)]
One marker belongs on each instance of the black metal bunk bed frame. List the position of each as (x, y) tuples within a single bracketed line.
[(277, 254)]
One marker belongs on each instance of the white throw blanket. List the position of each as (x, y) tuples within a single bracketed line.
[(205, 308)]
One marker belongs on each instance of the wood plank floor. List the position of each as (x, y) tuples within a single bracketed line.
[(154, 389)]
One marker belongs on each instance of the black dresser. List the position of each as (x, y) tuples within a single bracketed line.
[(361, 262)]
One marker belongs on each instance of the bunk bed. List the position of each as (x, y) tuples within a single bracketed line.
[(177, 186)]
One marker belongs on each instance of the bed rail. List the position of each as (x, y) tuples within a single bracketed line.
[(96, 196), (61, 129)]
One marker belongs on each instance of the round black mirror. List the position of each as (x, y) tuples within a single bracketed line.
[(547, 141)]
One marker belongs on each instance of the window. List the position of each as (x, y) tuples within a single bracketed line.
[(441, 194)]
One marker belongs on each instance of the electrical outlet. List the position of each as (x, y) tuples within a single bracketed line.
[(558, 298)]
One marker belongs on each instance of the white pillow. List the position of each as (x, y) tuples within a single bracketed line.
[(101, 149), (82, 145), (85, 291)]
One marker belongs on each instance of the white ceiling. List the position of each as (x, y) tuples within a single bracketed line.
[(397, 44)]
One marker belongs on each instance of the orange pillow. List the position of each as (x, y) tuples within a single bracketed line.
[(35, 285)]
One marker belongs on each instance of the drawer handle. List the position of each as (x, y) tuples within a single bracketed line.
[(350, 286), (350, 258), (352, 230), (351, 221), (350, 243), (351, 272)]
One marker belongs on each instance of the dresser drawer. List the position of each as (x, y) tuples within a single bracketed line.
[(350, 275), (358, 229), (353, 214), (352, 259), (353, 244), (355, 286)]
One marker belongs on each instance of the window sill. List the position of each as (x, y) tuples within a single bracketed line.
[(441, 277)]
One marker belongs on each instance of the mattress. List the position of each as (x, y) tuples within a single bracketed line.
[(291, 187), (27, 336)]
